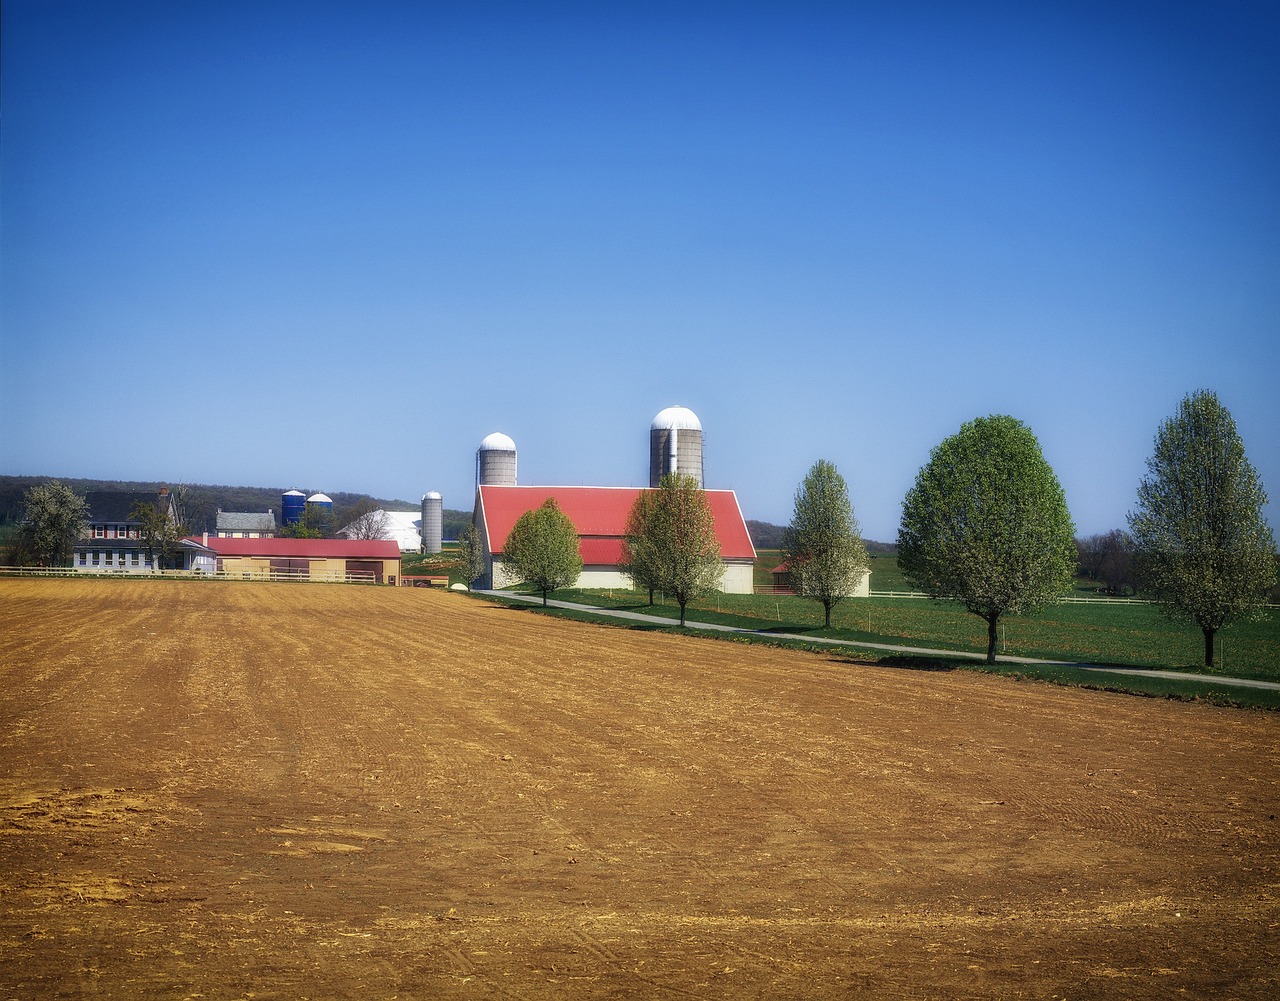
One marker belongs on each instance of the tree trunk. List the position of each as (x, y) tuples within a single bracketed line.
[(682, 613), (544, 599), (650, 597), (1208, 647), (991, 637), (826, 605)]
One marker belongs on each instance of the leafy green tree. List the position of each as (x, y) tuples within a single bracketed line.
[(986, 524), (158, 529), (640, 557), (823, 547), (470, 554), (681, 536), (54, 517), (1203, 547), (542, 549)]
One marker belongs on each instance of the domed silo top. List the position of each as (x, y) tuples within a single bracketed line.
[(319, 499), (497, 442), (675, 445), (496, 461), (293, 493), (432, 495), (677, 418)]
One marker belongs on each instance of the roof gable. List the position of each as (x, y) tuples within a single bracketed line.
[(601, 513), (246, 521)]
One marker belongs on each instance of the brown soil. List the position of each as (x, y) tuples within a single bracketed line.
[(292, 791)]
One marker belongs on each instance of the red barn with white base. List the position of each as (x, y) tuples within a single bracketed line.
[(600, 516)]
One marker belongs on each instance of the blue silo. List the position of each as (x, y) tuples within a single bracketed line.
[(292, 504)]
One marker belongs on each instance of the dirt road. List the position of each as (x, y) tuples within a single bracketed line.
[(286, 791)]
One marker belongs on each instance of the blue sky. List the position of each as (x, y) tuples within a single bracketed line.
[(333, 245)]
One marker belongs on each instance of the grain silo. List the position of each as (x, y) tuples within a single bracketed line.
[(432, 522), (496, 461), (675, 445), (292, 504)]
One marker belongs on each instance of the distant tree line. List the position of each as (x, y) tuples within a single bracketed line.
[(203, 501)]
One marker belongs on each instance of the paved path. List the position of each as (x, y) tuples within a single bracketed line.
[(660, 620)]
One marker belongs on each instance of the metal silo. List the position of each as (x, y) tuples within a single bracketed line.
[(496, 461), (292, 504), (432, 522), (675, 445)]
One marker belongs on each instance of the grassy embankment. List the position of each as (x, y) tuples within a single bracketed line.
[(1113, 633)]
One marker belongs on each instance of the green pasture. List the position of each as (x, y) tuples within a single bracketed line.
[(1115, 633)]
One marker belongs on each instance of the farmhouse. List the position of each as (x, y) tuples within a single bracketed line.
[(114, 541), (375, 560), (245, 524), (600, 516)]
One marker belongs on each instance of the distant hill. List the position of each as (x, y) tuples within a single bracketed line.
[(769, 536), (205, 500)]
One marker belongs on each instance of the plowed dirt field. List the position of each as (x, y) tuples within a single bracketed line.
[(218, 790)]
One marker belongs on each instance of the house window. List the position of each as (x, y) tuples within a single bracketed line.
[(99, 531), (97, 557), (133, 557)]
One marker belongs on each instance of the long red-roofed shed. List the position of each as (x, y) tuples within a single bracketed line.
[(323, 559)]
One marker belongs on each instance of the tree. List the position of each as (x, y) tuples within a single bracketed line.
[(639, 554), (986, 524), (681, 536), (542, 549), (1203, 547), (823, 548), (158, 528), (366, 521), (470, 554), (54, 517)]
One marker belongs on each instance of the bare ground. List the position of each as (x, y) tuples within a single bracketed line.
[(288, 791)]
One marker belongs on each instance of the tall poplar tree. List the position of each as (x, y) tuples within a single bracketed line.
[(542, 549), (680, 541), (639, 556), (986, 524), (1203, 547), (824, 550)]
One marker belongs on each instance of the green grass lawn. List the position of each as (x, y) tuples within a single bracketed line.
[(1135, 635)]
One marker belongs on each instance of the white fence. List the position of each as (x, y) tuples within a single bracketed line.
[(258, 575)]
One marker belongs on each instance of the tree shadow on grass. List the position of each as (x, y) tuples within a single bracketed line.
[(909, 662)]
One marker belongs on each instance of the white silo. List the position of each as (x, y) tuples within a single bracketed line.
[(675, 445), (496, 461), (432, 522)]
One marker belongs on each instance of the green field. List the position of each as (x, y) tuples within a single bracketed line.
[(1117, 633)]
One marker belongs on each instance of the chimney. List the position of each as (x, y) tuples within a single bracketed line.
[(206, 540)]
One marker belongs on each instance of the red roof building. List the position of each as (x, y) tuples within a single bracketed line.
[(600, 516), (319, 559)]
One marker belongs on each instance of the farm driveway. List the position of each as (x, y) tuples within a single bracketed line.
[(230, 790)]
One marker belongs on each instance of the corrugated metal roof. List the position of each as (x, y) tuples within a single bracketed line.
[(319, 549), (600, 513)]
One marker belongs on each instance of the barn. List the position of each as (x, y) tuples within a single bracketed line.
[(600, 516)]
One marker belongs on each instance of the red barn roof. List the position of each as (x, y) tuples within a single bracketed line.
[(318, 549), (600, 516)]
